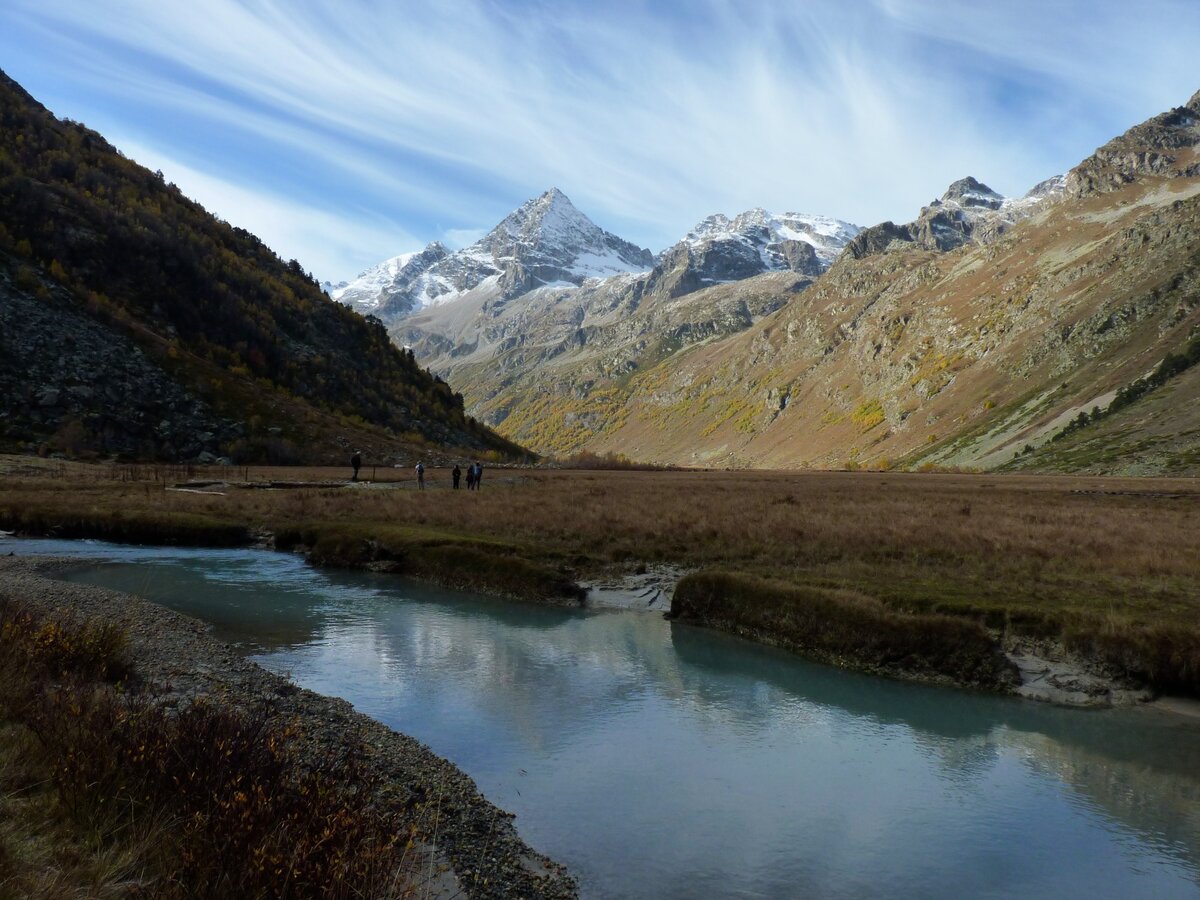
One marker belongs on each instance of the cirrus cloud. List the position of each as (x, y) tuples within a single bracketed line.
[(346, 133)]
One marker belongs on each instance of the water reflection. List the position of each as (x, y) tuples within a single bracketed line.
[(661, 760)]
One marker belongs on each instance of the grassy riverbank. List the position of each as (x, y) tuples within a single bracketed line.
[(1107, 566), (844, 627)]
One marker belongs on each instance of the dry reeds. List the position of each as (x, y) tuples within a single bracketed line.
[(203, 801), (1033, 554)]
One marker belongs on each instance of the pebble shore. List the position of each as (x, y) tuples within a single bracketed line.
[(477, 851)]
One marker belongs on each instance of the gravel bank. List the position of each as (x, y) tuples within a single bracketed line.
[(476, 853)]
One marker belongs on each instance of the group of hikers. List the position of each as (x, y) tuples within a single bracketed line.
[(474, 473), (474, 476)]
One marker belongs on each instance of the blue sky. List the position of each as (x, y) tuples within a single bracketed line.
[(344, 133)]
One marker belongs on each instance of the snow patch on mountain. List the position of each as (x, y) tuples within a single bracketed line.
[(763, 229), (723, 249)]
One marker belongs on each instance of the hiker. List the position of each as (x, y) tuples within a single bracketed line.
[(420, 476), (356, 464), (456, 474), (478, 475), (471, 477)]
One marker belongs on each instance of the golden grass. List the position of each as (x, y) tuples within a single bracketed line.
[(1037, 553), (44, 853)]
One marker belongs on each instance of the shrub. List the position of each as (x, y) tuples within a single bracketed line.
[(587, 459), (90, 649), (256, 811)]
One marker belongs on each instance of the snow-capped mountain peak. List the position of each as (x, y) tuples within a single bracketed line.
[(550, 216), (546, 241), (554, 242), (968, 192), (386, 289)]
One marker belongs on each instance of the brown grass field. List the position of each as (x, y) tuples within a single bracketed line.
[(1112, 566)]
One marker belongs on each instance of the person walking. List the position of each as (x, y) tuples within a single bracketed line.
[(471, 477), (420, 476), (478, 474), (356, 464), (456, 474)]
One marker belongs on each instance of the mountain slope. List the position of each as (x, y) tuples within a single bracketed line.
[(964, 357), (228, 323), (919, 345), (513, 356)]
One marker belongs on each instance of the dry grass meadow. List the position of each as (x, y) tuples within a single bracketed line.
[(1093, 560)]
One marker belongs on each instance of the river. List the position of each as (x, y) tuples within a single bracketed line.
[(661, 760)]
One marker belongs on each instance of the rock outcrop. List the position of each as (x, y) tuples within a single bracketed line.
[(968, 212), (73, 384), (1162, 146)]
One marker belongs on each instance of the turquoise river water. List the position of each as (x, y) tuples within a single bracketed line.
[(661, 760)]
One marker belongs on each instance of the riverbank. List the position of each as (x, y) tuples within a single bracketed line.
[(852, 631), (462, 845), (1074, 578)]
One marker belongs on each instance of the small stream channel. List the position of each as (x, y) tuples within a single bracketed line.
[(661, 760)]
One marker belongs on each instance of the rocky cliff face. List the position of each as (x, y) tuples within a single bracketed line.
[(1164, 146)]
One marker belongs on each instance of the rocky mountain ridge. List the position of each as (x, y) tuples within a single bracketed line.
[(720, 249), (622, 322), (968, 212), (1162, 146), (548, 243), (612, 327), (969, 337)]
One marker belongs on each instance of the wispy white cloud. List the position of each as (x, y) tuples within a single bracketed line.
[(457, 238), (442, 117), (323, 240)]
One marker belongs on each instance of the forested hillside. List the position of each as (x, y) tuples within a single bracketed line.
[(250, 335)]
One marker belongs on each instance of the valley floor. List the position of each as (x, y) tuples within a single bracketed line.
[(1103, 567)]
